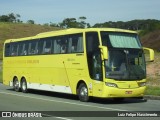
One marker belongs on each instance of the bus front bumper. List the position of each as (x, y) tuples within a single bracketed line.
[(111, 92)]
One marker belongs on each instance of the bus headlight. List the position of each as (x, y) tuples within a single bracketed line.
[(111, 85), (141, 84)]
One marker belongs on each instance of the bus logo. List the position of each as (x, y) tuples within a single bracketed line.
[(128, 92)]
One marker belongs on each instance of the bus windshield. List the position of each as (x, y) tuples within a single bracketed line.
[(125, 64), (126, 58)]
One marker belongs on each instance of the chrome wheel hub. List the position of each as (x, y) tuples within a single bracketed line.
[(83, 91)]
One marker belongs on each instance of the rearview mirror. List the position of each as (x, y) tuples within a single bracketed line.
[(104, 52), (149, 54)]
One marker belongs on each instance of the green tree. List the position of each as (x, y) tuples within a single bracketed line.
[(10, 18), (4, 18), (53, 24), (73, 23), (82, 23), (30, 22), (69, 23)]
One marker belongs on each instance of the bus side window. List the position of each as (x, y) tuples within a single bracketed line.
[(80, 44), (33, 48), (47, 45), (14, 49), (7, 50), (20, 49), (63, 48), (64, 42), (25, 48), (70, 47), (56, 46), (75, 43)]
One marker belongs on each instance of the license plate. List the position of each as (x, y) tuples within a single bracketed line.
[(128, 92)]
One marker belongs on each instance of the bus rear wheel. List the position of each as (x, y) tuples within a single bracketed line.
[(24, 85), (16, 85), (83, 93)]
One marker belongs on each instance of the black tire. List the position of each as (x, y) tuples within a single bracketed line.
[(16, 85), (83, 92), (24, 86)]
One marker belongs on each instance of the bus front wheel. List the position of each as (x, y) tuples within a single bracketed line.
[(16, 85), (83, 92), (24, 85)]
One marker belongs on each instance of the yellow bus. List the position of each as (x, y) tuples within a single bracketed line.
[(98, 62)]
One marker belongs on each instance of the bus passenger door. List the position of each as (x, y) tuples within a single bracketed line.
[(94, 62), (97, 76)]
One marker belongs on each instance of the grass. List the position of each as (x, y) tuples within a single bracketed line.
[(153, 86), (153, 90)]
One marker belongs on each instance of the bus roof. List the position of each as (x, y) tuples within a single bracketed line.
[(68, 31), (78, 30)]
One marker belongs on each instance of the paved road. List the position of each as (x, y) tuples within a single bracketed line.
[(48, 101)]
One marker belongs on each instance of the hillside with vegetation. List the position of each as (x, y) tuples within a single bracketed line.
[(149, 30), (152, 40), (18, 30), (12, 27)]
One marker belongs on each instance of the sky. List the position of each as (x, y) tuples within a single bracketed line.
[(96, 11)]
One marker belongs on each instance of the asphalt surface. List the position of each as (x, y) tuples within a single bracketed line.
[(69, 107)]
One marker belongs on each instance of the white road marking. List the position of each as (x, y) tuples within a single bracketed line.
[(63, 118), (56, 117), (64, 102)]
